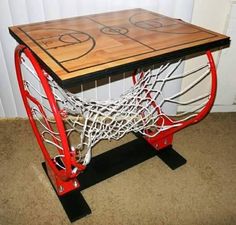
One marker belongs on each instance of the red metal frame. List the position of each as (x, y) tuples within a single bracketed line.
[(164, 138), (63, 180)]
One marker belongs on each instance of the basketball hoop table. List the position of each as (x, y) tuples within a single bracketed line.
[(63, 54)]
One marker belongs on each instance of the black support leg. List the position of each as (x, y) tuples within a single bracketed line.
[(109, 164)]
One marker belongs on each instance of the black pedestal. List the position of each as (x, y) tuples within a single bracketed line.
[(109, 164)]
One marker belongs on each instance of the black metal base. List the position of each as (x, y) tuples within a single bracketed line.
[(73, 202), (109, 164), (171, 158)]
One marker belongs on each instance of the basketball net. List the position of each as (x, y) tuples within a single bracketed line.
[(139, 109)]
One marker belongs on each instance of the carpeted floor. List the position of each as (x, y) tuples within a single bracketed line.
[(201, 192)]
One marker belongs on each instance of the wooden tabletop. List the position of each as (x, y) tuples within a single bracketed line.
[(80, 48)]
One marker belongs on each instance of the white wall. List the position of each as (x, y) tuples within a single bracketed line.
[(15, 12), (226, 95), (211, 14), (217, 15)]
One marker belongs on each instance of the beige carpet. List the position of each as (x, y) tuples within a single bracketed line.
[(201, 192)]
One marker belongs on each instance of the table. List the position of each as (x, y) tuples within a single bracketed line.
[(75, 50)]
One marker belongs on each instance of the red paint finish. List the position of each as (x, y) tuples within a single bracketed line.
[(62, 179), (164, 138)]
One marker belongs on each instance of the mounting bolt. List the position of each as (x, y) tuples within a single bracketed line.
[(165, 142), (76, 184), (61, 189)]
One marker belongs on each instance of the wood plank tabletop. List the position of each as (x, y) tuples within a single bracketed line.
[(80, 48)]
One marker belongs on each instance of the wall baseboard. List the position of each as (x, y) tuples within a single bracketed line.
[(223, 108), (215, 108)]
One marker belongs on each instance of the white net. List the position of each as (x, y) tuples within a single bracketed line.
[(138, 110)]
